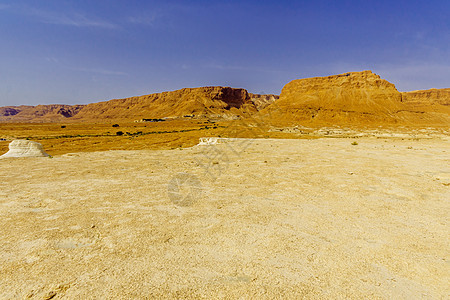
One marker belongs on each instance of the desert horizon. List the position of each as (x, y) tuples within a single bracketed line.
[(224, 150), (208, 101), (256, 203)]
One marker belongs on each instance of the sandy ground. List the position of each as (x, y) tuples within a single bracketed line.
[(246, 219)]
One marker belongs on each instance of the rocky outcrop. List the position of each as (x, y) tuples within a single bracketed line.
[(262, 101), (221, 102), (25, 148), (427, 97), (8, 111), (195, 102), (356, 98)]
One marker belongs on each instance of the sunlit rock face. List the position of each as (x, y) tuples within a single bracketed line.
[(350, 97)]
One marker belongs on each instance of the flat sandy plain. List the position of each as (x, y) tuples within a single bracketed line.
[(255, 219)]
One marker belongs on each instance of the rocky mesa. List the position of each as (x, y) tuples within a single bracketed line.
[(354, 98), (427, 97)]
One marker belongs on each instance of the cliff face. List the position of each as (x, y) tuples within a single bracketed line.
[(204, 101), (356, 98), (427, 97), (195, 102)]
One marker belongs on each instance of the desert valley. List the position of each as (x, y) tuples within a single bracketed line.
[(312, 107), (337, 188)]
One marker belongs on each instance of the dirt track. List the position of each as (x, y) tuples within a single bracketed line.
[(272, 218)]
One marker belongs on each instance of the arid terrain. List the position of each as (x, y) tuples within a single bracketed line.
[(264, 218), (338, 188), (337, 105)]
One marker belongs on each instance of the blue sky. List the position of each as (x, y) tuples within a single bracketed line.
[(81, 51)]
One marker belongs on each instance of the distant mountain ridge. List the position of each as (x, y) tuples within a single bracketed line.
[(39, 113), (216, 101), (349, 98)]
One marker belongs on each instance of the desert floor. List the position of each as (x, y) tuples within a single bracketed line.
[(249, 219)]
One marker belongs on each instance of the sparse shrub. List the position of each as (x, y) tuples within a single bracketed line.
[(119, 133), (115, 125), (63, 126), (355, 143)]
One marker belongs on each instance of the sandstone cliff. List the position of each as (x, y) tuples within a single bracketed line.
[(221, 102), (196, 102), (356, 98), (427, 97)]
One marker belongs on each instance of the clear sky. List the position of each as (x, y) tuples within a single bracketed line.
[(82, 51)]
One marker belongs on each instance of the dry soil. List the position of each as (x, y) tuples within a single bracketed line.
[(248, 219)]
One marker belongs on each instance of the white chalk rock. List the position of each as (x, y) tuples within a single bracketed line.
[(205, 141), (209, 141), (25, 148)]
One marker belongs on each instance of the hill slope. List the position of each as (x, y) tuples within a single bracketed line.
[(355, 98), (204, 101), (222, 102), (39, 113), (427, 97)]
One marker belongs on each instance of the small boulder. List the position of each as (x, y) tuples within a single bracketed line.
[(25, 148)]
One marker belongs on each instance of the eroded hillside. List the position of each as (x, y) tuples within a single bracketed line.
[(218, 102), (355, 98)]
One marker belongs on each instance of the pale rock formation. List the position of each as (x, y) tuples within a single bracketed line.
[(262, 101), (25, 148), (206, 141)]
